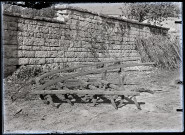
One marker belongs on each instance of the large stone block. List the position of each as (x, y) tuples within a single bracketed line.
[(10, 61), (49, 60), (45, 48), (38, 35), (58, 60), (55, 48), (73, 27), (47, 42), (40, 54), (31, 33), (116, 47), (33, 22), (22, 27), (10, 18), (10, 42), (36, 48), (44, 30), (72, 59), (56, 36), (38, 41), (26, 54), (54, 30), (74, 17), (54, 66), (12, 25), (23, 61), (56, 25), (54, 42), (20, 34), (61, 54), (28, 40), (23, 47), (10, 38), (131, 55), (37, 61), (41, 23), (32, 28), (48, 36), (4, 26), (69, 54), (9, 35), (52, 54), (10, 52), (21, 20)]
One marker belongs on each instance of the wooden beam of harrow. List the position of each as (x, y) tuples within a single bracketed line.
[(111, 85), (87, 84), (94, 99), (89, 92), (60, 79), (81, 66)]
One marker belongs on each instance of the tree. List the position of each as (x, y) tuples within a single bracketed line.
[(150, 11), (32, 4)]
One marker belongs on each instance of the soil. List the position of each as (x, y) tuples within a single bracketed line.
[(28, 114)]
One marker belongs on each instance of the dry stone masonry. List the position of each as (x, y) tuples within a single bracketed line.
[(74, 36)]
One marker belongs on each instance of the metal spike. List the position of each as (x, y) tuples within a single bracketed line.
[(121, 102), (136, 103), (113, 102)]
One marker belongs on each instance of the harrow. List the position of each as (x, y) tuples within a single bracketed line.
[(77, 84)]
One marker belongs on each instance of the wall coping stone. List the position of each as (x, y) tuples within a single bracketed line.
[(52, 20)]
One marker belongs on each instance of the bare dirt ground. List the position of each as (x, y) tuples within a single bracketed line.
[(158, 112)]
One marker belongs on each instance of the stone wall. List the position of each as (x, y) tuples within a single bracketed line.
[(32, 37)]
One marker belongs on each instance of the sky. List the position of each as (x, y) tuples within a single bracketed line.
[(106, 8)]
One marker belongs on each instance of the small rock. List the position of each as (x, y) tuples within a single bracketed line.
[(85, 113), (43, 117)]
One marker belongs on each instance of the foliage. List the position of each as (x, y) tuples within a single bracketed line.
[(162, 50), (150, 11), (32, 4), (27, 72)]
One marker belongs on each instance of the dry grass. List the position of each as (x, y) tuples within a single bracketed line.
[(162, 50), (27, 72)]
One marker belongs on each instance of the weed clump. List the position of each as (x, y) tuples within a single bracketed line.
[(27, 72), (162, 50), (21, 82)]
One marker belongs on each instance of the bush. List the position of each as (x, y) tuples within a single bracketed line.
[(162, 50), (27, 72)]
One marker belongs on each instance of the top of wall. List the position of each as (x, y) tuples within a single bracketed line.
[(67, 7), (45, 14), (48, 14)]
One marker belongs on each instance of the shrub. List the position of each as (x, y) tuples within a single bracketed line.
[(27, 72)]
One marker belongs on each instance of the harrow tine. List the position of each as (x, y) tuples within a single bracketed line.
[(113, 102), (87, 98), (121, 102), (49, 98), (67, 99), (94, 100), (60, 85), (136, 103)]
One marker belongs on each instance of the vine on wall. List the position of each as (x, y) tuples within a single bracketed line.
[(101, 36)]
